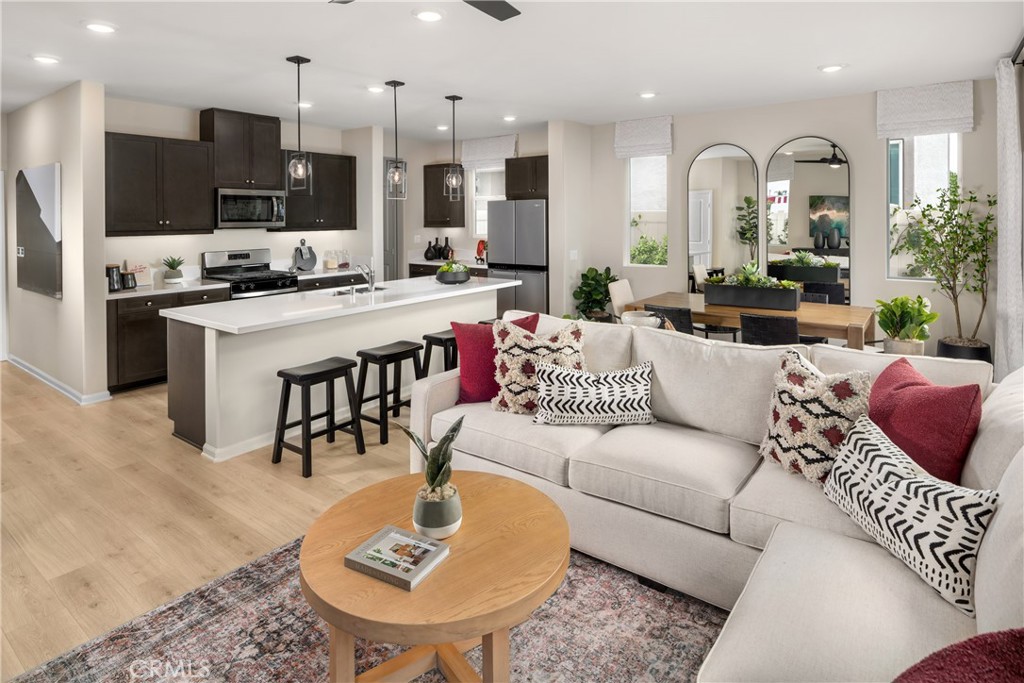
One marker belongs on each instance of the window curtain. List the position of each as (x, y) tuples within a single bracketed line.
[(925, 110), (1009, 354), (643, 137), (489, 152)]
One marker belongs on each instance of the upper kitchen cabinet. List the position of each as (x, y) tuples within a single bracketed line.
[(526, 178), (332, 203), (438, 210), (158, 186), (247, 149)]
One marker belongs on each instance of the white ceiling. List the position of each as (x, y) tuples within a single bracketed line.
[(581, 61)]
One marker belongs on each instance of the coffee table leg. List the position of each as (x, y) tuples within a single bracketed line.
[(496, 656), (342, 656)]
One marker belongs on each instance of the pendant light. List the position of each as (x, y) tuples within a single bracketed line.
[(397, 169), (453, 175), (300, 170)]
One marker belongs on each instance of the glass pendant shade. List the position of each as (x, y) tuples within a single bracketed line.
[(300, 171), (397, 173), (453, 177)]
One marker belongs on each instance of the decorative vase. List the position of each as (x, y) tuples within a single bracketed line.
[(173, 277), (449, 253), (819, 240), (906, 347), (835, 238), (437, 518), (429, 253)]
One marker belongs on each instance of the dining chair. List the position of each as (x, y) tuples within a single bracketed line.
[(700, 274), (681, 318), (836, 291), (813, 298), (769, 330), (622, 295)]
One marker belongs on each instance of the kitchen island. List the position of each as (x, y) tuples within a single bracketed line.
[(223, 358)]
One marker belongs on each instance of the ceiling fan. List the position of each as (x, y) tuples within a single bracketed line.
[(834, 161), (495, 8)]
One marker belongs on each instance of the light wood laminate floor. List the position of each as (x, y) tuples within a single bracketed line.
[(105, 515)]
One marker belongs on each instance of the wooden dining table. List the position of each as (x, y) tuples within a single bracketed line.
[(855, 324)]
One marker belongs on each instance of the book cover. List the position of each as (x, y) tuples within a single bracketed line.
[(399, 557)]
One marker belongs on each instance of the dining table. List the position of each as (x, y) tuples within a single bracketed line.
[(855, 324)]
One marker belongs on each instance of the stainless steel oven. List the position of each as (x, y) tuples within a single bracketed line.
[(250, 208)]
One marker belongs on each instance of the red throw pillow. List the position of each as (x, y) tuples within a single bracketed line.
[(933, 424), (476, 358)]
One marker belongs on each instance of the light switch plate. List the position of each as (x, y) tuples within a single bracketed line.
[(417, 239), (574, 255), (21, 251)]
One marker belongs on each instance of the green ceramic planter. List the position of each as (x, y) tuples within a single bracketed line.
[(437, 519)]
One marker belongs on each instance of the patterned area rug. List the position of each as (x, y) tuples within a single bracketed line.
[(254, 626)]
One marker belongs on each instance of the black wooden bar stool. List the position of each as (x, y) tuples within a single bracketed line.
[(446, 340), (382, 357), (305, 376)]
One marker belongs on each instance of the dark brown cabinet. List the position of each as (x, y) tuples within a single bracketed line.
[(158, 186), (247, 149), (421, 269), (438, 210), (330, 281), (526, 178), (137, 335), (332, 203)]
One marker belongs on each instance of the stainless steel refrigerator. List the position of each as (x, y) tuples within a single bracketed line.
[(517, 249)]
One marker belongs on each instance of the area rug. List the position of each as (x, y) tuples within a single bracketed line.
[(254, 626)]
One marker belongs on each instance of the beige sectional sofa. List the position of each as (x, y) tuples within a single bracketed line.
[(687, 502)]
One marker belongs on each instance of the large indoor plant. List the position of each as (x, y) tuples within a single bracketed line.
[(803, 266), (746, 231), (951, 241), (437, 511), (905, 323), (748, 288), (592, 296)]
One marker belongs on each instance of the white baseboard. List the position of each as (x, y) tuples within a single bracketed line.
[(74, 395), (293, 435)]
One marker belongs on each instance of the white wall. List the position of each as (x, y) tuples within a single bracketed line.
[(569, 210)]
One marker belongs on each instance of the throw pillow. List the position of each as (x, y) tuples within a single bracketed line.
[(476, 358), (933, 526), (931, 423), (520, 353), (810, 414), (566, 396)]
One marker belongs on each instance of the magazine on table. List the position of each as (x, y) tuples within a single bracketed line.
[(399, 557)]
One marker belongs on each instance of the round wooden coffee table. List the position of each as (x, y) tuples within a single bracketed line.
[(507, 559)]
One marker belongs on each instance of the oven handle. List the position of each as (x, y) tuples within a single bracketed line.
[(271, 292)]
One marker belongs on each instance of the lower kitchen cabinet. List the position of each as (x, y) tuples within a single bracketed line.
[(330, 281), (421, 269), (137, 335)]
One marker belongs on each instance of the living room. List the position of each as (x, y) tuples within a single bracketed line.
[(108, 516)]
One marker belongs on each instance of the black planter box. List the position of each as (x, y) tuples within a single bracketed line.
[(752, 297), (804, 273)]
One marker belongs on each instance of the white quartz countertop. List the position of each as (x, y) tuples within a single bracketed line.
[(440, 262), (161, 287), (242, 316)]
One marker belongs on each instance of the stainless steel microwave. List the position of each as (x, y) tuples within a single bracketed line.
[(250, 208)]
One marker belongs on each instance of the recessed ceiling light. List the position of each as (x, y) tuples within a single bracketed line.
[(305, 105), (442, 127), (46, 59), (428, 15), (375, 89), (648, 95), (832, 68), (510, 118), (100, 26), (788, 154)]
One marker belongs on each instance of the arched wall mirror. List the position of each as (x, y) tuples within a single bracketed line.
[(722, 222), (807, 222)]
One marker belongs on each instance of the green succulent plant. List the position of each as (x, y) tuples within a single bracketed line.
[(173, 262), (905, 318), (749, 276), (437, 460)]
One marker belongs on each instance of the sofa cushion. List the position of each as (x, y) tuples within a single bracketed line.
[(774, 495), (824, 607), (476, 358), (713, 386), (521, 353), (514, 441), (999, 585), (985, 658), (605, 347), (677, 472), (1000, 434), (566, 396)]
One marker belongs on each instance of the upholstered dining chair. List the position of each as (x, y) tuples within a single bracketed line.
[(622, 295), (700, 274), (769, 330), (681, 319)]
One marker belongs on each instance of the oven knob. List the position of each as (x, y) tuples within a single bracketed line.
[(250, 286)]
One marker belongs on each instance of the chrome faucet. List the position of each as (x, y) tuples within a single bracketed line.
[(369, 273)]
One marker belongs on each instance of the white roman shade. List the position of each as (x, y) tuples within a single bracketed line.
[(781, 167), (489, 152), (926, 110), (643, 137)]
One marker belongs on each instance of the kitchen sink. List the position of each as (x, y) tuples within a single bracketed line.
[(359, 289)]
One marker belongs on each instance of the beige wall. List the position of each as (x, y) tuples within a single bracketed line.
[(64, 340), (569, 210)]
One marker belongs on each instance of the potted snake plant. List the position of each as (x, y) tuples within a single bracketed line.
[(437, 510), (748, 288), (905, 323)]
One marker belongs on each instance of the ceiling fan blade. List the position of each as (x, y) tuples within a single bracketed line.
[(496, 8), (339, 2)]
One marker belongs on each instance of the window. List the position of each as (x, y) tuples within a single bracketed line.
[(488, 186), (648, 211), (917, 167)]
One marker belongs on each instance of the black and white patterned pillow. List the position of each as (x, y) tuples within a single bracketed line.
[(933, 526), (575, 397)]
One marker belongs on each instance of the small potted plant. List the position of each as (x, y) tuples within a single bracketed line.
[(803, 266), (437, 510), (905, 323), (452, 273), (592, 296), (173, 273), (748, 288)]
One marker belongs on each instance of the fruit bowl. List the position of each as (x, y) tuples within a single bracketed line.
[(453, 277)]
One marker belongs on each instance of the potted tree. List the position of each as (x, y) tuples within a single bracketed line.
[(905, 323), (437, 510), (746, 231), (592, 296), (951, 241), (803, 266), (748, 288)]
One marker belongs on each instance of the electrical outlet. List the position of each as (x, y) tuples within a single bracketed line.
[(21, 251), (574, 255), (417, 239)]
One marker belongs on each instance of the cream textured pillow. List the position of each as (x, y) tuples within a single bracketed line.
[(519, 355), (810, 414)]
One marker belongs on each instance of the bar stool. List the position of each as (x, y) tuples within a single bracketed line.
[(446, 340), (305, 376), (382, 357)]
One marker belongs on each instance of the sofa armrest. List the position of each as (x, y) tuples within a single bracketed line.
[(430, 395)]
